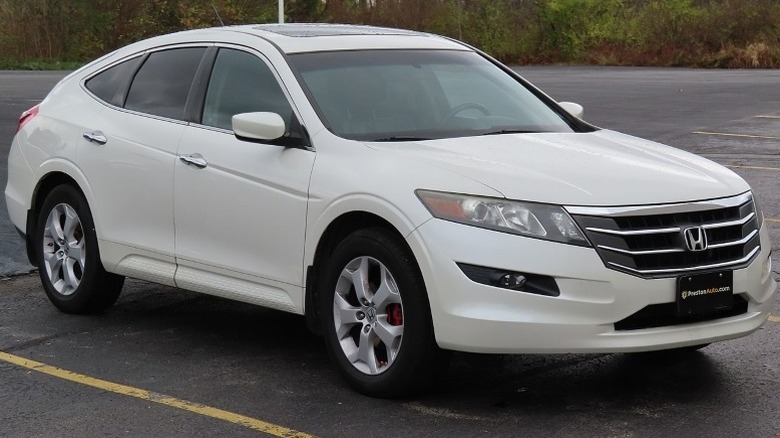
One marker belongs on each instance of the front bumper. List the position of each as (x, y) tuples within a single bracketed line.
[(474, 317)]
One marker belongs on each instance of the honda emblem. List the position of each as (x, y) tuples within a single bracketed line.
[(695, 238)]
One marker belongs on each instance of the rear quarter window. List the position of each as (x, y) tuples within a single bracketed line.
[(110, 83)]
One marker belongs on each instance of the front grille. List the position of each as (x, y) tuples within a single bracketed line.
[(651, 241)]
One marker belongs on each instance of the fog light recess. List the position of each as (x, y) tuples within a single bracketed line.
[(511, 280)]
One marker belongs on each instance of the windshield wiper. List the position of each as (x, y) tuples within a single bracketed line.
[(508, 131), (402, 138)]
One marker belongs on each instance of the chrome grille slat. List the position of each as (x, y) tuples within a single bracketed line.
[(697, 268), (644, 210), (655, 251), (650, 241), (741, 241), (635, 232), (742, 221)]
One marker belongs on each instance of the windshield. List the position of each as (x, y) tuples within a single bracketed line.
[(397, 95)]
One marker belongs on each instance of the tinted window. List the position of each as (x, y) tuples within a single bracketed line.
[(242, 83), (106, 84), (162, 84)]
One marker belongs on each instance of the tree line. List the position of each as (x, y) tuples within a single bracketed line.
[(708, 33)]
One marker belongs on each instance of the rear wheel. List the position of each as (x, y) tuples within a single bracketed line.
[(376, 316), (68, 260)]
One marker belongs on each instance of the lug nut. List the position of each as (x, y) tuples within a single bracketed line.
[(361, 315)]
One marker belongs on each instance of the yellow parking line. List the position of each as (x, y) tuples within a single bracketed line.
[(771, 219), (774, 318), (734, 166), (727, 134), (162, 399), (768, 117)]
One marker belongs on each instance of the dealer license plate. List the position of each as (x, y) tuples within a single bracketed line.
[(704, 293)]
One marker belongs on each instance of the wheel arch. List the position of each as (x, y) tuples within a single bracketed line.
[(57, 171), (334, 233), (46, 184)]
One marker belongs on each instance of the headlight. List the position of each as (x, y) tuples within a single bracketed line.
[(542, 221), (759, 212)]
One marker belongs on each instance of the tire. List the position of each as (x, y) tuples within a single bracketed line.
[(68, 259), (380, 338)]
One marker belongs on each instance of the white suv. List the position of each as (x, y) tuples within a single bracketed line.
[(405, 192)]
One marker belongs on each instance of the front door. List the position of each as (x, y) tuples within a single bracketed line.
[(239, 206)]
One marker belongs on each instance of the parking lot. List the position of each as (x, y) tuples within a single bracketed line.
[(167, 362)]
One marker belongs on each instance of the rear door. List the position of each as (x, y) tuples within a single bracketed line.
[(130, 155)]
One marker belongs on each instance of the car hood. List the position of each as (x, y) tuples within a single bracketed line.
[(597, 168)]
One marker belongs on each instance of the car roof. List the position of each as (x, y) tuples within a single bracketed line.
[(312, 37), (290, 38), (316, 37)]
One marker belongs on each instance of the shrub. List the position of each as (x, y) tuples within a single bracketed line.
[(711, 33)]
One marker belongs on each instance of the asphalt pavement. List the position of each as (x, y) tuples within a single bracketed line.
[(167, 362)]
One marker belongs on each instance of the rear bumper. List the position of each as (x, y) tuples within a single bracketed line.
[(18, 196)]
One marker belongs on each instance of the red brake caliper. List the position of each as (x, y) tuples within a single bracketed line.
[(395, 316)]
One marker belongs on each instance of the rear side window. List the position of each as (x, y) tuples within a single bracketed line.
[(162, 84), (107, 84)]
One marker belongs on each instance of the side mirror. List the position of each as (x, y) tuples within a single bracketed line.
[(258, 126), (574, 109)]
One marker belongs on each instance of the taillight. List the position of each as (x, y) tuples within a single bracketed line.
[(27, 116)]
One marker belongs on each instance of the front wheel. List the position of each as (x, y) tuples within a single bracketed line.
[(376, 316), (68, 260)]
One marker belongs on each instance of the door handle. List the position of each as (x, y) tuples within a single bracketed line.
[(95, 137), (196, 160)]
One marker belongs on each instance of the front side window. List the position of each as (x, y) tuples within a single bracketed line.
[(378, 95), (242, 83), (162, 84)]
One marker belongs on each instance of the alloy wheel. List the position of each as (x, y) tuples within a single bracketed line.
[(368, 315), (64, 249)]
